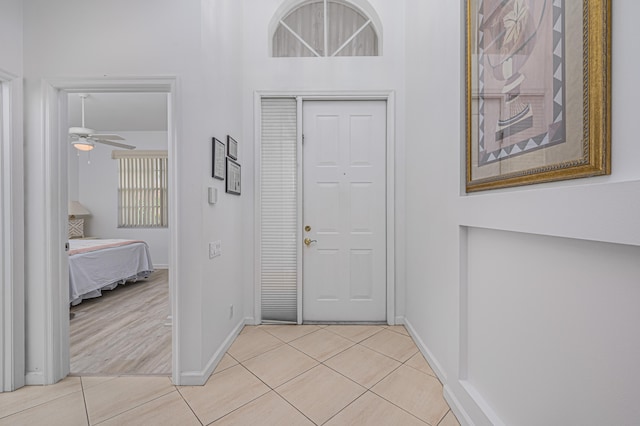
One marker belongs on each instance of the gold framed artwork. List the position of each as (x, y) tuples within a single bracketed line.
[(538, 89)]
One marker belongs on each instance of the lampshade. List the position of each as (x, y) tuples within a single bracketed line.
[(77, 209), (83, 145)]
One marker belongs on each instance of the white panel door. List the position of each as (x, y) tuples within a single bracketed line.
[(344, 208)]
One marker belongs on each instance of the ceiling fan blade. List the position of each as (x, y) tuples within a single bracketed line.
[(110, 136), (119, 145)]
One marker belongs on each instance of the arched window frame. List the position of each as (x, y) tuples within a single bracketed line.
[(361, 6)]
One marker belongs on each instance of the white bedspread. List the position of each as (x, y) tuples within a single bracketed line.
[(105, 268)]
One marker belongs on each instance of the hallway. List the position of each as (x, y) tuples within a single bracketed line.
[(271, 375)]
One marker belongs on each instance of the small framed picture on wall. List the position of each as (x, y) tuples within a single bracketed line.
[(233, 185), (232, 148), (218, 159)]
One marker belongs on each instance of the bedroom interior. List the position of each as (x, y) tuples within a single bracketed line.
[(120, 319)]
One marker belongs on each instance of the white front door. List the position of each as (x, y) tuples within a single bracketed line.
[(344, 211)]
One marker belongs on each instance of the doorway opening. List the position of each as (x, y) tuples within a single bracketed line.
[(57, 151), (333, 158), (120, 315)]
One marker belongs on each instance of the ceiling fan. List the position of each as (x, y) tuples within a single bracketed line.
[(84, 139)]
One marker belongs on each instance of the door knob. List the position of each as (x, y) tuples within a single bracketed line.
[(308, 241)]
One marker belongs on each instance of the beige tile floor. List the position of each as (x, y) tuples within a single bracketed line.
[(271, 375)]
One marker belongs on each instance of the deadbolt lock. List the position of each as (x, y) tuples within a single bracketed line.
[(307, 228)]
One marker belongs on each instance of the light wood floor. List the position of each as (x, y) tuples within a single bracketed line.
[(124, 331)]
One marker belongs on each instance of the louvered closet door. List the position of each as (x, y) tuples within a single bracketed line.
[(278, 208)]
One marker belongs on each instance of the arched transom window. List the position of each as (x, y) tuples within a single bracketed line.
[(325, 28)]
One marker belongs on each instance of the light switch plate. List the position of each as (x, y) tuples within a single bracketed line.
[(213, 195), (217, 248)]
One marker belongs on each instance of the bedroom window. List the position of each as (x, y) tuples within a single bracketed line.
[(142, 189), (325, 28)]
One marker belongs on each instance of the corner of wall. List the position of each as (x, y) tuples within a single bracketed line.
[(199, 378)]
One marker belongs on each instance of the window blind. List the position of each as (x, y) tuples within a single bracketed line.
[(142, 190), (325, 28), (278, 208)]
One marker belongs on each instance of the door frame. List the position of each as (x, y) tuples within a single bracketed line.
[(54, 124), (12, 311), (384, 95)]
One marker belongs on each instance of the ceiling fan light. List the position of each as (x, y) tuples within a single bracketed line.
[(83, 145)]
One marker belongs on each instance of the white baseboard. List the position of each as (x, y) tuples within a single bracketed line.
[(399, 320), (250, 321), (199, 378), (456, 406), (431, 359), (461, 411), (480, 407), (34, 379), (160, 266)]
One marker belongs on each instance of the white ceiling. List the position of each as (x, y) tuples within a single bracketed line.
[(109, 112)]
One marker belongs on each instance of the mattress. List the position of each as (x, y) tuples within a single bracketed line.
[(103, 264)]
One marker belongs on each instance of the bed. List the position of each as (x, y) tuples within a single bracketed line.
[(103, 264)]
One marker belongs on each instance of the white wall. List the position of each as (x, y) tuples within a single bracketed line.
[(552, 326), (301, 75), (197, 41), (11, 196), (524, 319), (11, 34), (97, 180), (73, 175), (221, 115)]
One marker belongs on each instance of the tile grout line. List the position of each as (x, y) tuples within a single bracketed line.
[(189, 405), (278, 393), (423, 372), (347, 406), (84, 399), (266, 393), (445, 415), (332, 356), (300, 337), (281, 384), (396, 405), (377, 351), (352, 345), (399, 407), (367, 389), (362, 340), (323, 363), (133, 408), (40, 404), (298, 375), (370, 389)]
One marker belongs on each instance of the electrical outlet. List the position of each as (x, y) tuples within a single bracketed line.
[(231, 311), (215, 249)]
